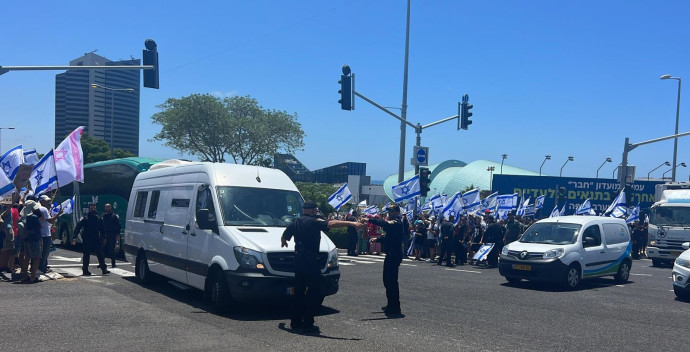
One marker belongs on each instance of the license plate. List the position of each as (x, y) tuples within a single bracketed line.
[(290, 291), (522, 267)]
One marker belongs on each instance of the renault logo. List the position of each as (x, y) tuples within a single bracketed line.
[(523, 255)]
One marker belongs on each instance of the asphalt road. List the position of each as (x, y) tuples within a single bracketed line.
[(445, 309)]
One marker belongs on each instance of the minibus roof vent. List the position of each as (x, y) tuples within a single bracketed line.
[(169, 163), (251, 229)]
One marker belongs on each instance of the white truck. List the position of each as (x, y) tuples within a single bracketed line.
[(669, 222)]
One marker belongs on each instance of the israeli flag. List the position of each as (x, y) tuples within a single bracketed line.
[(562, 211), (523, 205), (11, 160), (409, 208), (371, 210), (555, 212), (539, 203), (515, 201), (529, 210), (44, 176), (340, 197), (407, 189), (426, 207), (454, 208), (471, 200), (30, 157), (619, 212), (634, 215), (362, 203), (584, 208), (66, 207), (6, 185), (483, 252), (436, 202), (504, 204), (489, 203), (385, 207), (618, 202)]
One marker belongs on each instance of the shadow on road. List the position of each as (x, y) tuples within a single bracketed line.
[(253, 311), (588, 284), (283, 327)]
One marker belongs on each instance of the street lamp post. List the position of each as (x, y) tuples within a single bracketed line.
[(3, 128), (570, 158), (608, 160), (667, 163), (675, 140), (548, 157), (491, 169), (663, 176), (613, 174), (112, 108), (503, 158)]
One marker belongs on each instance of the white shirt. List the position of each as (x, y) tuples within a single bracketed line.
[(45, 225)]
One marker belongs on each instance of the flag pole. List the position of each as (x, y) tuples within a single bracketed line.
[(57, 182)]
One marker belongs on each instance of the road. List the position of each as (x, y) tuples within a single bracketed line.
[(445, 309)]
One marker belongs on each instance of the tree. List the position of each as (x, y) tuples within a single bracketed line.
[(96, 149), (211, 128), (319, 193)]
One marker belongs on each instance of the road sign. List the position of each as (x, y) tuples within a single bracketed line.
[(420, 156)]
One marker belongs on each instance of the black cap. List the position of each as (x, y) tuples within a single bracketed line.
[(394, 208), (309, 205)]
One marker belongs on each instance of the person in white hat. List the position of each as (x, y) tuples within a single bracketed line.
[(47, 222)]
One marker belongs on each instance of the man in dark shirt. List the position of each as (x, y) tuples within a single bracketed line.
[(460, 234), (352, 235), (93, 239), (393, 242), (111, 225), (307, 233), (446, 241), (494, 234), (514, 229)]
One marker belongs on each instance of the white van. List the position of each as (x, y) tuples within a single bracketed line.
[(681, 273), (566, 249), (217, 227)]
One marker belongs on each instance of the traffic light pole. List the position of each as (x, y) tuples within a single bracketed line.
[(628, 147)]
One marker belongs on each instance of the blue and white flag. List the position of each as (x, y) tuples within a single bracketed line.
[(523, 205), (562, 212), (555, 212), (619, 212), (515, 201), (406, 190), (454, 208), (426, 207), (371, 210), (584, 209), (385, 207), (66, 207), (11, 160), (646, 219), (44, 176), (409, 208), (436, 203), (483, 252), (489, 203), (618, 202), (6, 185), (504, 205), (470, 200), (539, 203), (529, 210), (340, 197), (634, 215), (30, 157)]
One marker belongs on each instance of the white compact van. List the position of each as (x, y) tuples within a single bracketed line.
[(681, 273), (566, 249), (217, 227)]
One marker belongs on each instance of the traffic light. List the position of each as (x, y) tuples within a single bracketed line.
[(346, 89), (150, 57), (465, 114), (424, 181)]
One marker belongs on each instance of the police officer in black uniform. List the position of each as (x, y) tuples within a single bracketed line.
[(111, 225), (93, 239), (393, 241), (446, 241), (307, 233)]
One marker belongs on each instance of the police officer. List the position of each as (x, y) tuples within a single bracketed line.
[(446, 241), (393, 240), (514, 229), (111, 225), (493, 234), (93, 239), (307, 233)]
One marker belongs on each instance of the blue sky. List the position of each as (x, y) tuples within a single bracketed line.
[(545, 77)]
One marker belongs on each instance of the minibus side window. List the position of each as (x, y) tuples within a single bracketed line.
[(204, 200), (153, 206), (592, 232), (140, 204)]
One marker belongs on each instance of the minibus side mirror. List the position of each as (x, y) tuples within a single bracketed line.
[(589, 242), (205, 220)]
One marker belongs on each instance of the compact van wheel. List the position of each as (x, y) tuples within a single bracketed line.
[(572, 277), (623, 273), (141, 269)]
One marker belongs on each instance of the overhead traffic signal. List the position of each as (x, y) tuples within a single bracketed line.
[(150, 57), (465, 114), (347, 80), (424, 181)]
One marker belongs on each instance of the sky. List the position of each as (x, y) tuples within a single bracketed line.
[(545, 77)]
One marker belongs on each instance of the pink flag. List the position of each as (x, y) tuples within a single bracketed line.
[(69, 158)]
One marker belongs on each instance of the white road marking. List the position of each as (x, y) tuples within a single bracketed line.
[(344, 263), (465, 271), (121, 272), (57, 257), (642, 274)]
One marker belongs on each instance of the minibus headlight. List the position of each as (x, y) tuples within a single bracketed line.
[(683, 262), (554, 253), (333, 258), (248, 258)]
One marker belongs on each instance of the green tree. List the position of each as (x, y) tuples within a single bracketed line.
[(319, 193), (96, 149), (238, 127)]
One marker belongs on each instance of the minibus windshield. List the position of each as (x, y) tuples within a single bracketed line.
[(558, 233), (247, 206)]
